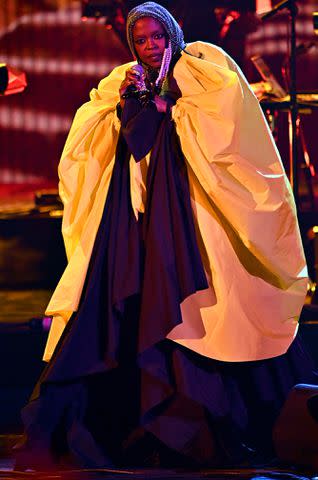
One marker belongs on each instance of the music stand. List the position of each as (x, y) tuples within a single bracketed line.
[(277, 100), (293, 104)]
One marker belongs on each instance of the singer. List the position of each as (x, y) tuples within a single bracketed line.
[(173, 323)]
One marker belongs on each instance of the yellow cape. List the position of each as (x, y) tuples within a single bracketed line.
[(242, 204)]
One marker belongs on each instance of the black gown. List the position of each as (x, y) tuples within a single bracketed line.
[(116, 391)]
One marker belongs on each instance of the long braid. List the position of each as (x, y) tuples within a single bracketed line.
[(165, 64)]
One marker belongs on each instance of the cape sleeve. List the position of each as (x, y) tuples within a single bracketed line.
[(228, 146), (244, 214), (84, 171), (89, 151)]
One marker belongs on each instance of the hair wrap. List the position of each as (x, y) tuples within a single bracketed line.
[(156, 11)]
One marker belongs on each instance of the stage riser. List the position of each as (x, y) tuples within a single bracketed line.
[(32, 252)]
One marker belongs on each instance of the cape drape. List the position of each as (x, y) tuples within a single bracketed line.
[(242, 203)]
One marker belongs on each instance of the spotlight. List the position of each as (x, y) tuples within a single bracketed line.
[(12, 80)]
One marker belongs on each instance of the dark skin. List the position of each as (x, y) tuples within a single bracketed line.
[(150, 40)]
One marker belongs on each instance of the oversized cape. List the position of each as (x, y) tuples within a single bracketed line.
[(242, 203)]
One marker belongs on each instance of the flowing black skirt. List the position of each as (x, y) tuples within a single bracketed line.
[(117, 392)]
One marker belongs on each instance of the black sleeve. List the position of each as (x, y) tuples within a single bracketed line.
[(140, 125)]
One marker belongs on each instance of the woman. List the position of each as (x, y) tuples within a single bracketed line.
[(186, 273)]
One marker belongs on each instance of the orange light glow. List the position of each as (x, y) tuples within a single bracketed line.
[(263, 6)]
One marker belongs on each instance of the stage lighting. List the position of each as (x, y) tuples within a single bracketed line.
[(12, 80), (315, 22)]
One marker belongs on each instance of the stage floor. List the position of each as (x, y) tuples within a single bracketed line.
[(8, 473), (23, 337)]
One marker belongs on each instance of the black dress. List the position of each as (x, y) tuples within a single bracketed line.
[(117, 392)]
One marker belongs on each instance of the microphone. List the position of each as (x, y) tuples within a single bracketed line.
[(138, 70), (132, 90)]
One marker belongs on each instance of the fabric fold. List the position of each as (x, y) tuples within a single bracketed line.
[(115, 387), (237, 185)]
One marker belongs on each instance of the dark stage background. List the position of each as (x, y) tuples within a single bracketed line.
[(64, 57)]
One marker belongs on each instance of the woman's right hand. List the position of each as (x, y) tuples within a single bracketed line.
[(132, 78)]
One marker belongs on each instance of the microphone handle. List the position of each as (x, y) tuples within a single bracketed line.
[(131, 91)]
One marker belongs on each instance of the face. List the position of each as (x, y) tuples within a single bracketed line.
[(150, 41)]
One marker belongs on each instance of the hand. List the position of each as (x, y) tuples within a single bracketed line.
[(132, 78)]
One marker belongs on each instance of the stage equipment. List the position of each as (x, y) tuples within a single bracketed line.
[(263, 69), (274, 98), (230, 17), (293, 10), (305, 104), (315, 22), (12, 80), (32, 249), (280, 6), (312, 236), (48, 199), (261, 89), (295, 433)]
